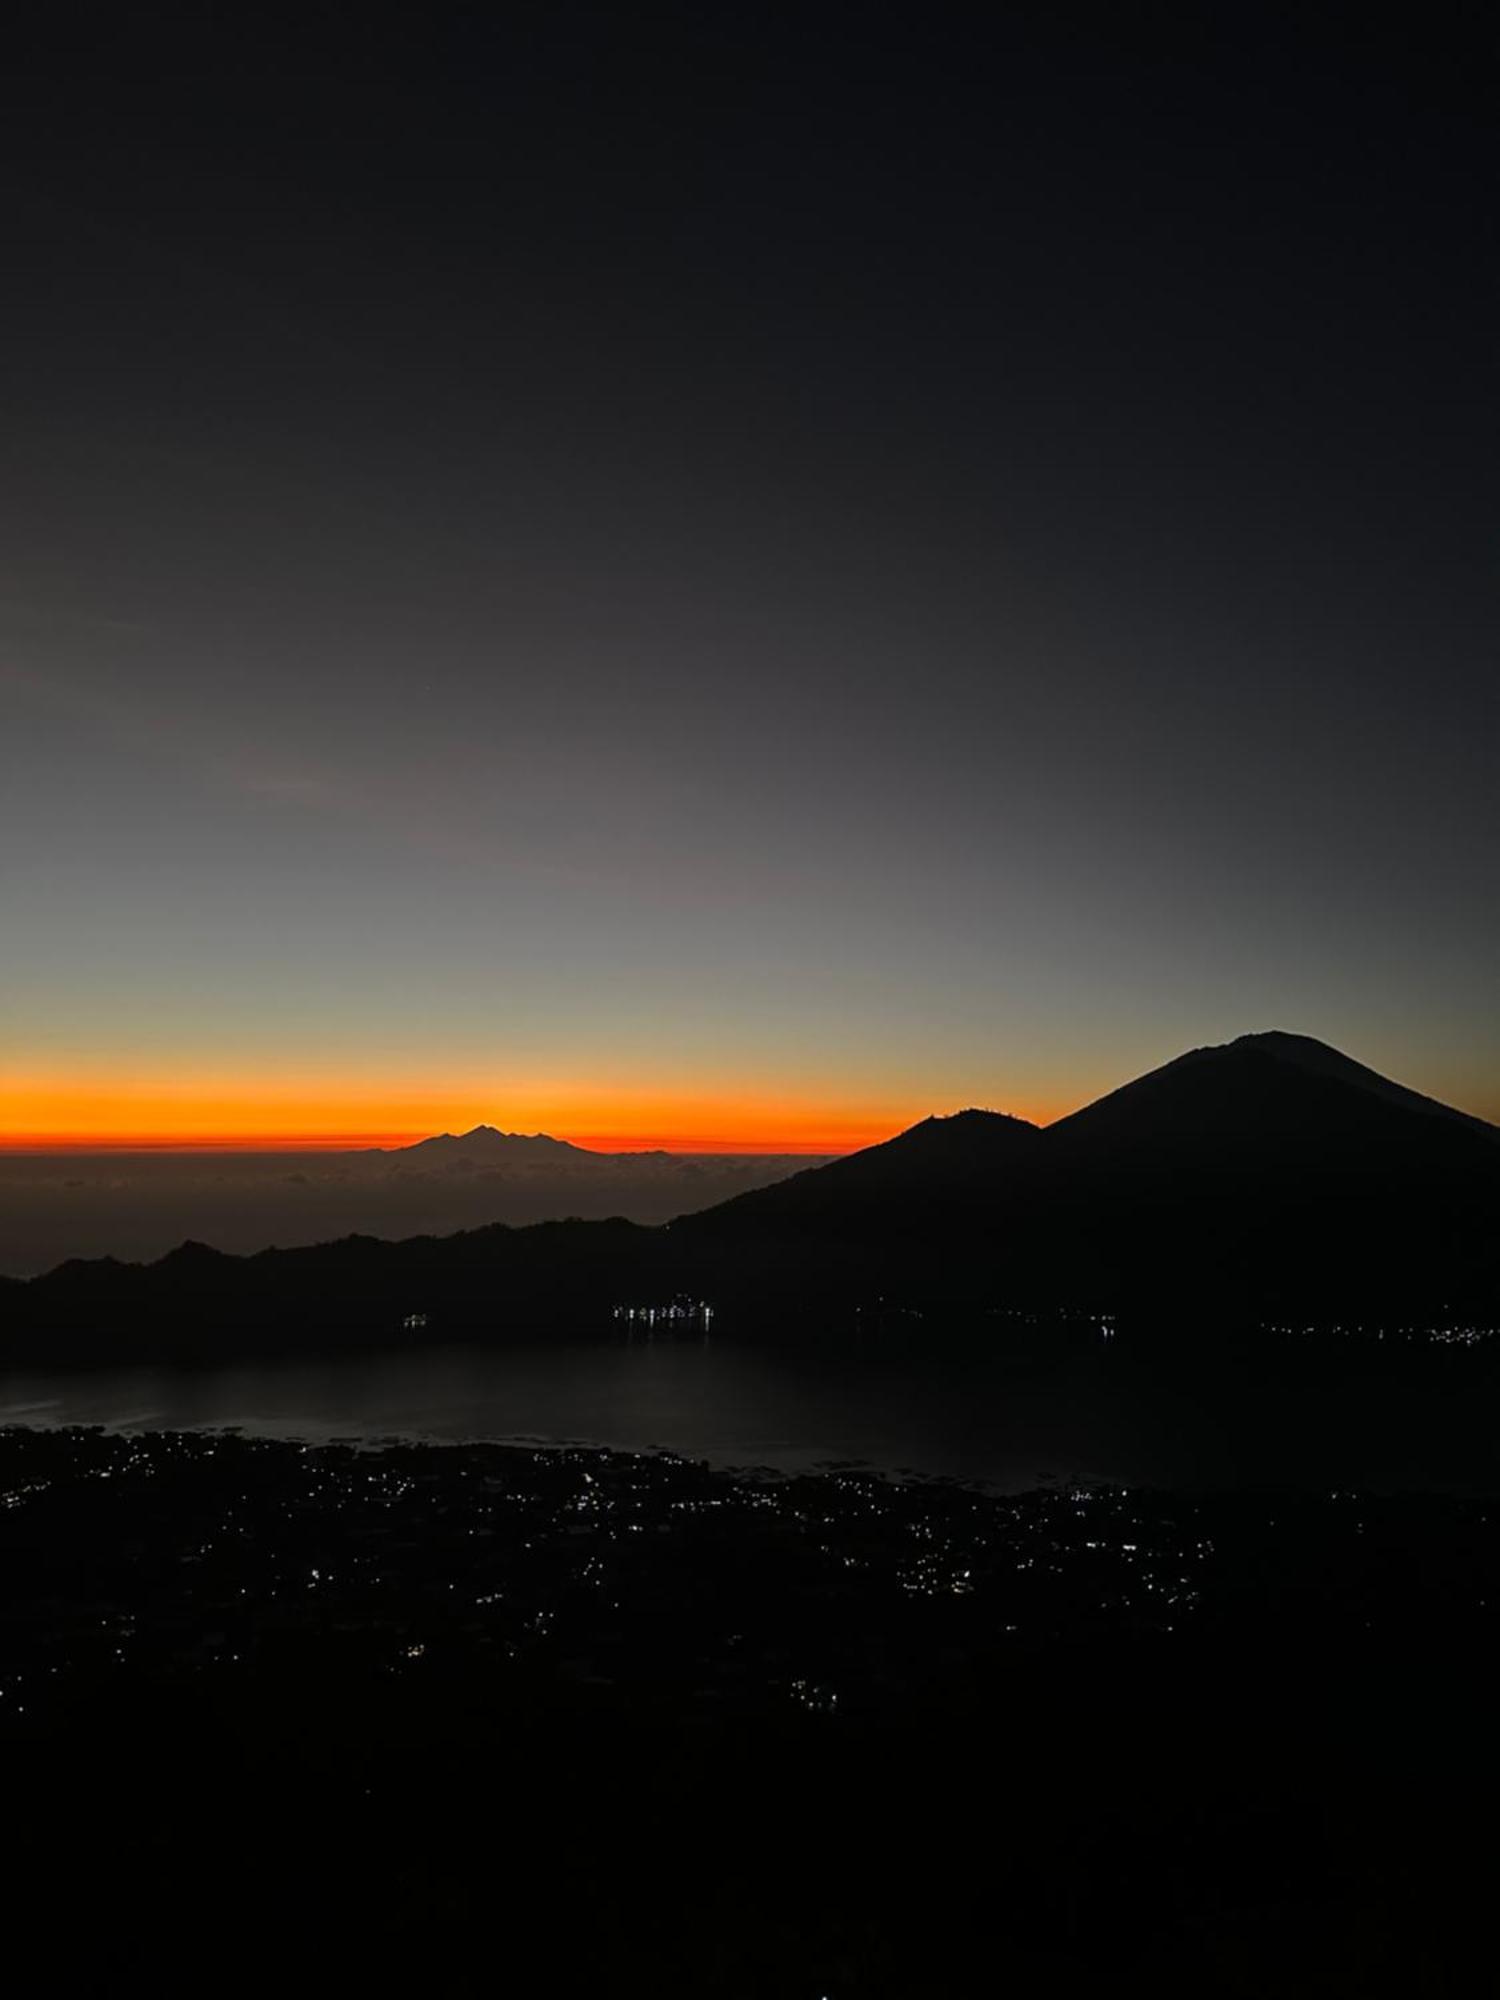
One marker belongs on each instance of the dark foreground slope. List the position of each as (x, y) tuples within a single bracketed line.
[(466, 1720), (1270, 1177)]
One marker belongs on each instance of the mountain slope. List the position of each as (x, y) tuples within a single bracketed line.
[(947, 1164), (1274, 1168), (1268, 1098)]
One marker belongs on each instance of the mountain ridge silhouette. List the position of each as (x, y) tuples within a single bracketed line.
[(1268, 1174)]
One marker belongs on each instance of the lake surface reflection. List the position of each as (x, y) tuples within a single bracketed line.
[(1093, 1414)]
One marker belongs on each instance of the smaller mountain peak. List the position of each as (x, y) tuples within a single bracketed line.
[(190, 1253)]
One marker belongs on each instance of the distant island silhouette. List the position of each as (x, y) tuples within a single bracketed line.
[(485, 1143), (1271, 1175), (138, 1205)]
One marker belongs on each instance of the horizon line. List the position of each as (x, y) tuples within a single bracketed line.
[(628, 1144)]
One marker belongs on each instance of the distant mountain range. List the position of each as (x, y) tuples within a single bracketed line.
[(484, 1144), (1271, 1174), (137, 1205)]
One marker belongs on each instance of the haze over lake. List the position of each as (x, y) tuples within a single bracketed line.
[(139, 1205), (1094, 1410)]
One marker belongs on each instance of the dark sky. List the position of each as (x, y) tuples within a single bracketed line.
[(713, 573)]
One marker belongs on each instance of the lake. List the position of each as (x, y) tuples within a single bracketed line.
[(1094, 1413)]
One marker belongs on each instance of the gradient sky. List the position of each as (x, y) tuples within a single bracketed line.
[(724, 577)]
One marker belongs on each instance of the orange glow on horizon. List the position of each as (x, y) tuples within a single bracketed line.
[(176, 1114), (351, 1142)]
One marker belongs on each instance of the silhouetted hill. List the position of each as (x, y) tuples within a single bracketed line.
[(496, 1283), (958, 1162), (921, 1201)]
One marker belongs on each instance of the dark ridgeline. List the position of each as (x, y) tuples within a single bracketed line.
[(1272, 1175)]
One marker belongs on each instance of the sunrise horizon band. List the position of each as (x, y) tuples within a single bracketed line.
[(51, 1114)]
